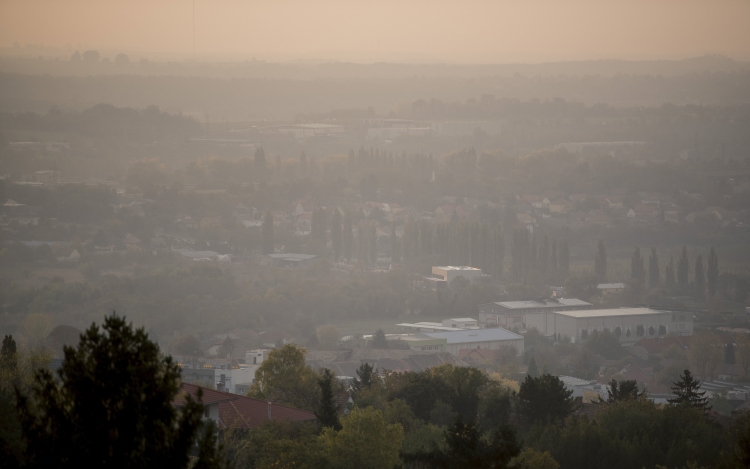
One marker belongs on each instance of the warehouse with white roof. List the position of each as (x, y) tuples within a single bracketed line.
[(628, 324), (511, 314), (492, 339)]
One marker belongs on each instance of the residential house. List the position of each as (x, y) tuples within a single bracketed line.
[(234, 411), (560, 206)]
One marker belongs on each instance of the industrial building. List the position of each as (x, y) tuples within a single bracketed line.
[(447, 325), (454, 341), (511, 314), (448, 273), (628, 324)]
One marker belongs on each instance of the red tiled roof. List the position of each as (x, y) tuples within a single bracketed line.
[(479, 354), (245, 412), (658, 345)]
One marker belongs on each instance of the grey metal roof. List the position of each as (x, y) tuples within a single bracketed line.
[(476, 335), (594, 313), (532, 304), (291, 256)]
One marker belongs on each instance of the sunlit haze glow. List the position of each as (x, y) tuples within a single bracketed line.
[(476, 31)]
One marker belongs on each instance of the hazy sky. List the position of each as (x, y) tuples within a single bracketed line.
[(401, 30)]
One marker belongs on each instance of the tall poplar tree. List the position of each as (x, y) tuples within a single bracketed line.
[(653, 269), (713, 272), (267, 233), (600, 262), (564, 261), (637, 270), (336, 234), (683, 269), (669, 277), (700, 277), (347, 241)]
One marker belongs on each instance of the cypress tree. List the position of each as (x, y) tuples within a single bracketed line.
[(564, 261), (553, 258), (600, 262), (669, 276), (653, 269), (373, 243), (712, 272), (637, 270), (348, 238), (683, 268), (700, 277), (327, 412)]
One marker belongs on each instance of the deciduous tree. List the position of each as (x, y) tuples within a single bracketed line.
[(544, 397)]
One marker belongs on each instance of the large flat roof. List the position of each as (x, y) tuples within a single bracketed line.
[(593, 313), (476, 335), (551, 303), (455, 267)]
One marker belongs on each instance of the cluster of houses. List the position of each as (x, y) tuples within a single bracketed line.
[(577, 211)]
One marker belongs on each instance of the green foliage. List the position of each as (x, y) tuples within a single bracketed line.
[(622, 391), (466, 447), (111, 404), (274, 444), (285, 377), (529, 458), (327, 412), (379, 340), (544, 399), (605, 343), (8, 355), (686, 393), (365, 441), (632, 433), (495, 408), (366, 375), (532, 370), (187, 345)]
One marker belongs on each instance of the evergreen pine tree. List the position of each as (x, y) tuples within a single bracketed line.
[(600, 262), (712, 273), (327, 410), (686, 393), (653, 269)]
